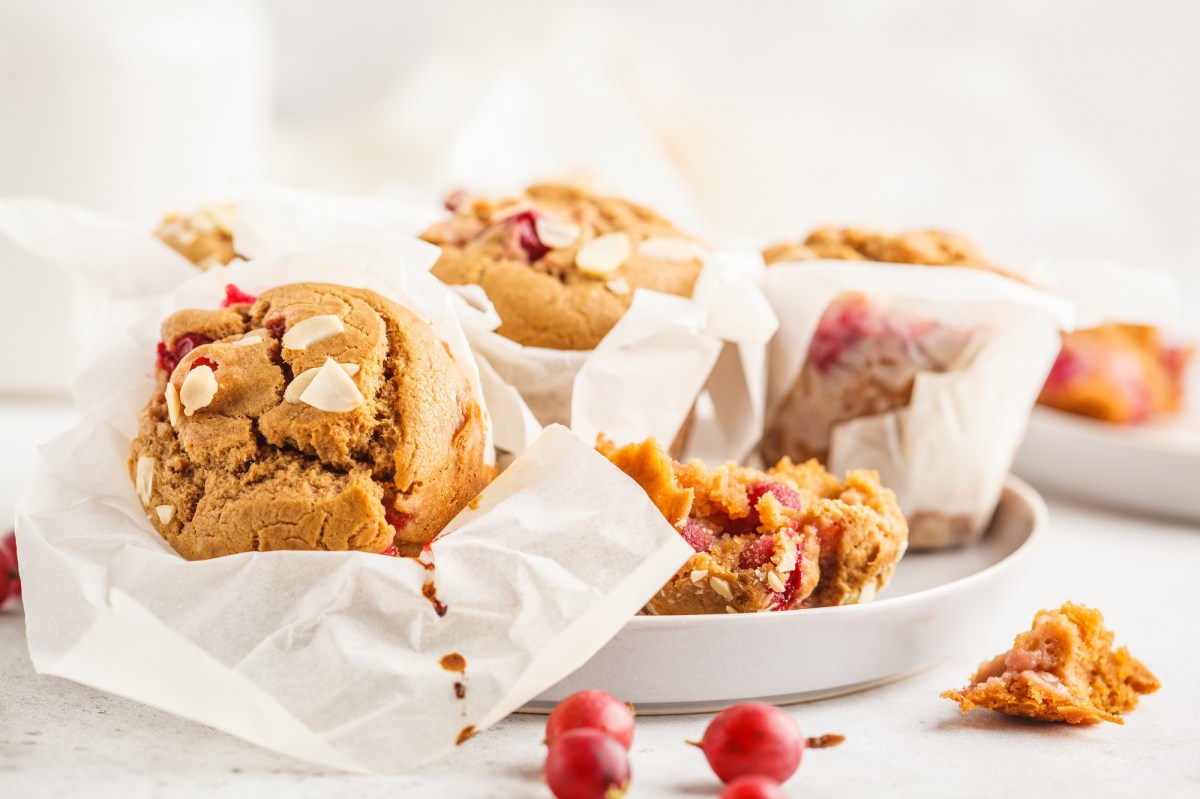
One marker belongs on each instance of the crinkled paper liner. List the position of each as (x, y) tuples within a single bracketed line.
[(663, 356), (947, 452), (332, 657)]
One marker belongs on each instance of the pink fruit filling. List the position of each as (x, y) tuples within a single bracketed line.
[(700, 534), (397, 519), (524, 226), (791, 586), (757, 553), (787, 497), (276, 327), (235, 296), (840, 328), (168, 359), (1066, 369)]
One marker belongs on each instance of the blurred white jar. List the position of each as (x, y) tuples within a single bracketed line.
[(131, 106)]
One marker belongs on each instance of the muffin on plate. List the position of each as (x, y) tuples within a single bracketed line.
[(1123, 374), (559, 263), (1064, 668), (1116, 372), (864, 358), (318, 417), (793, 536), (204, 237)]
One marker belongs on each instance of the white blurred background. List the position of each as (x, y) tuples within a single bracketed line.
[(1038, 128)]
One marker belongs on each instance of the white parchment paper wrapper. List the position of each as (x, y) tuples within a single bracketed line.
[(652, 368), (331, 657), (948, 451), (84, 264)]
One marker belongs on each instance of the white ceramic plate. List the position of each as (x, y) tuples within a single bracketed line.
[(937, 603), (1153, 469)]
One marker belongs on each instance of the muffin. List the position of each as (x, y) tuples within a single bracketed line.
[(317, 417), (1123, 374), (791, 537), (1063, 669), (560, 264), (1116, 372), (204, 237), (928, 247)]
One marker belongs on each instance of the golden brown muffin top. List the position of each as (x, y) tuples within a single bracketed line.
[(559, 263), (318, 417)]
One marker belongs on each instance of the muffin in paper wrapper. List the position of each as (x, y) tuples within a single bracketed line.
[(925, 374), (338, 658), (665, 356)]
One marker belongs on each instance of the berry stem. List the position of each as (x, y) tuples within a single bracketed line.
[(824, 741)]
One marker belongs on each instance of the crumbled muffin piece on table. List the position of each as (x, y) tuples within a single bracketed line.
[(1062, 669)]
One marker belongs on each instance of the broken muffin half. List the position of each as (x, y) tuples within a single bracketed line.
[(793, 536)]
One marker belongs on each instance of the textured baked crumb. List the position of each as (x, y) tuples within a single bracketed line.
[(559, 263), (317, 417), (922, 247), (204, 237), (793, 536), (1063, 669)]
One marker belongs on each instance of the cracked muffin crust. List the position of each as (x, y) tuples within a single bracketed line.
[(1063, 669), (204, 237), (316, 417), (925, 247), (791, 537), (560, 264)]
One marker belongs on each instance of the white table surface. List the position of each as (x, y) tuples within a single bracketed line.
[(62, 739)]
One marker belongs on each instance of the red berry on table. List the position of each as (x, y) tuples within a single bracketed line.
[(753, 738), (587, 764), (753, 786), (10, 546), (9, 584), (592, 710)]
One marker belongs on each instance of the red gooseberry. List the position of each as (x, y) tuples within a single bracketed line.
[(757, 739), (587, 764), (592, 710), (753, 786)]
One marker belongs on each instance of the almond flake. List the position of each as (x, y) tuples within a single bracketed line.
[(721, 587), (618, 286), (165, 513), (171, 394), (304, 379), (198, 389), (248, 340), (868, 592), (144, 480), (699, 574), (332, 390), (672, 248), (730, 609), (603, 255), (555, 234), (775, 582), (311, 330), (788, 561)]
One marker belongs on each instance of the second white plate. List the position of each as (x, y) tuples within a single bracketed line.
[(1153, 469), (932, 607)]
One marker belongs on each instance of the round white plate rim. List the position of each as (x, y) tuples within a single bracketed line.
[(1018, 486), (1060, 450), (1025, 500)]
